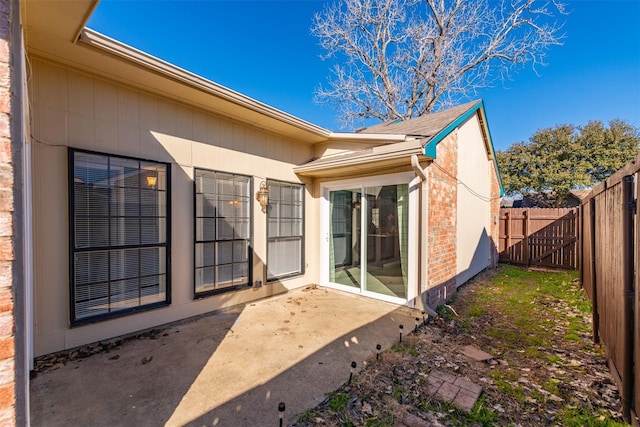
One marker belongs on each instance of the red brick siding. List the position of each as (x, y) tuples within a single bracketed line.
[(7, 330), (442, 206)]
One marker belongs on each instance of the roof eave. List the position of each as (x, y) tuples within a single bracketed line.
[(385, 153), (430, 147)]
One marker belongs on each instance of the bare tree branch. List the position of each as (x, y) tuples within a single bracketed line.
[(404, 58)]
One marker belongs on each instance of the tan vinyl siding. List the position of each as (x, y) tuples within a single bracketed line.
[(75, 109), (474, 212)]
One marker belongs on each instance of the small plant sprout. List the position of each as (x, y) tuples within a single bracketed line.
[(353, 369), (281, 408), (378, 347), (401, 328)]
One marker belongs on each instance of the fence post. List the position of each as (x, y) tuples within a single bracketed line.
[(636, 314), (507, 229), (627, 283), (525, 240), (577, 226), (592, 259)]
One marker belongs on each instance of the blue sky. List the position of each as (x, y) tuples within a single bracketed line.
[(264, 49)]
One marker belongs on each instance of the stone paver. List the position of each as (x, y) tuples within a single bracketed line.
[(447, 391), (475, 353), (457, 390), (468, 385)]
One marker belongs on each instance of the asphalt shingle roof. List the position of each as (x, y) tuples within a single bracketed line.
[(427, 125)]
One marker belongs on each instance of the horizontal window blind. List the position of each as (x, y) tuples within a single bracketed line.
[(119, 234)]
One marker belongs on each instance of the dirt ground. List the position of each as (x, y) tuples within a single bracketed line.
[(558, 382)]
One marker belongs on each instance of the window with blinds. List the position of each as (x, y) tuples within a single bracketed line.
[(119, 235), (285, 230), (222, 232)]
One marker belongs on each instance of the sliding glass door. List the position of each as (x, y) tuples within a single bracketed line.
[(344, 246), (368, 240)]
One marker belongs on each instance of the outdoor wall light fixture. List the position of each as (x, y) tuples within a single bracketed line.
[(262, 196)]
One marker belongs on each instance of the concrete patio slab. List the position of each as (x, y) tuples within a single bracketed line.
[(226, 369)]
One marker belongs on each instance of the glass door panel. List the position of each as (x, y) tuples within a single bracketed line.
[(380, 264), (386, 237), (344, 234)]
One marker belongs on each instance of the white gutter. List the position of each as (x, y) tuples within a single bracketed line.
[(423, 252), (137, 57)]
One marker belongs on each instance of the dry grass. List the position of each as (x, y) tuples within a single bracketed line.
[(545, 369)]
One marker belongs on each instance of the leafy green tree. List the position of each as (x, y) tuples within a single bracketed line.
[(566, 157)]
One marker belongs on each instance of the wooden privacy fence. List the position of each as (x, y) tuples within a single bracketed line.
[(610, 275), (539, 236)]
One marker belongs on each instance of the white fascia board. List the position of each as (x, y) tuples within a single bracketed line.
[(377, 137), (98, 40)]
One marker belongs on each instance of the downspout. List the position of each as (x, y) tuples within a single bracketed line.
[(424, 241)]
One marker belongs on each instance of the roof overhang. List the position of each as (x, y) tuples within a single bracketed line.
[(430, 146), (55, 30), (371, 160)]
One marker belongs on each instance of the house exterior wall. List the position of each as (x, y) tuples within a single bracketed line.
[(495, 215), (78, 110), (7, 283), (475, 240), (442, 222)]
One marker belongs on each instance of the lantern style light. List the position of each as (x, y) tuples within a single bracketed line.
[(262, 196)]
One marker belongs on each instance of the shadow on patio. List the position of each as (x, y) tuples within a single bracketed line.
[(225, 369)]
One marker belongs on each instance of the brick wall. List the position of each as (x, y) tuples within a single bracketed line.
[(7, 346), (443, 196)]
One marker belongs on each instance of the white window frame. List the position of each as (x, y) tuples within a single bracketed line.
[(413, 238), (275, 208), (214, 289)]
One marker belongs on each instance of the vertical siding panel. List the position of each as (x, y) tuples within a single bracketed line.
[(167, 112), (148, 121), (127, 126), (106, 114), (81, 112), (52, 112), (200, 131), (184, 123), (221, 136)]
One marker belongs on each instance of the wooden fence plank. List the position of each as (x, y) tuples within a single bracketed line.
[(540, 236)]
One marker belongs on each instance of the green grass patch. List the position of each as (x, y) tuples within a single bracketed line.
[(383, 420), (481, 414), (405, 347), (338, 400), (580, 417)]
